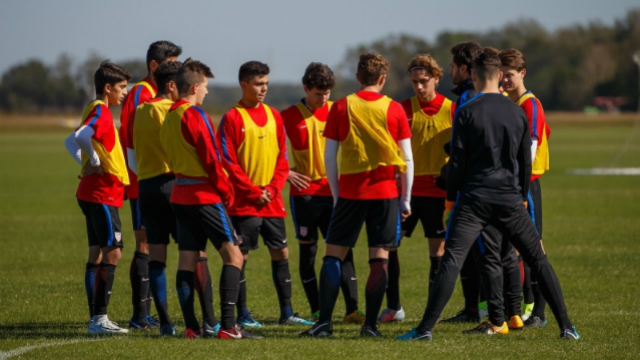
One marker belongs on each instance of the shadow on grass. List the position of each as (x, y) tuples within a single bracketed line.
[(53, 330)]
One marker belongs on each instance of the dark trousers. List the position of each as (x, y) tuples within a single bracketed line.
[(468, 219)]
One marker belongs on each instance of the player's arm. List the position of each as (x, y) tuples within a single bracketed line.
[(229, 141), (403, 135), (296, 179), (331, 146), (524, 162), (536, 122), (282, 164), (132, 163), (72, 147)]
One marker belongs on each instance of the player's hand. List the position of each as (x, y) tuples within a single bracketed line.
[(298, 180), (265, 198), (404, 214), (526, 204), (448, 207), (405, 209), (92, 170)]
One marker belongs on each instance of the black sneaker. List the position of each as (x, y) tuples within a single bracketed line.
[(320, 329), (489, 329), (368, 331), (570, 334), (535, 321), (463, 316)]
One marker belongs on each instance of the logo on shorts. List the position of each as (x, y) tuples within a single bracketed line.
[(303, 231), (118, 236), (441, 231)]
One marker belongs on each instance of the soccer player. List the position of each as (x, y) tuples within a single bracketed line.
[(488, 184), (253, 143), (149, 162), (461, 64), (94, 145), (144, 90), (375, 137), (514, 67), (311, 201), (199, 197), (430, 115)]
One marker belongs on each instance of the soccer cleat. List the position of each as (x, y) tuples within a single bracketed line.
[(535, 321), (515, 323), (315, 316), (208, 332), (389, 315), (489, 329), (463, 316), (570, 334), (356, 317), (295, 320), (103, 326), (152, 322), (320, 329), (414, 335), (527, 309), (248, 321), (167, 329), (138, 325), (230, 334), (191, 334), (368, 331)]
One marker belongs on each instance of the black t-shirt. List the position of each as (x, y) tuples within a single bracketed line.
[(490, 151)]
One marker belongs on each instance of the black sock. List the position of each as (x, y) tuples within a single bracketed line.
[(470, 279), (527, 288), (376, 287), (185, 288), (241, 304), (349, 283), (308, 274), (282, 281), (433, 270), (158, 285), (393, 288), (202, 284), (89, 284), (104, 283), (512, 291), (540, 302), (139, 277), (229, 286), (330, 276)]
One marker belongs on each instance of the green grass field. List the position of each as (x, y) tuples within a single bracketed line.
[(591, 234)]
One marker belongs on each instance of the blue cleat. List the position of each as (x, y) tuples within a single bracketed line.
[(248, 321), (295, 320), (152, 322), (414, 335), (167, 330), (570, 334), (208, 331)]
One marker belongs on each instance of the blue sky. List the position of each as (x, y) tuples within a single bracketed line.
[(285, 34)]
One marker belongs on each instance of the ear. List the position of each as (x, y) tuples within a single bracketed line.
[(306, 90), (153, 65), (473, 74), (523, 73), (463, 68), (382, 80), (171, 87), (193, 88), (500, 76), (107, 89)]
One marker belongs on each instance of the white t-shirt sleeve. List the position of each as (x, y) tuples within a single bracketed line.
[(331, 167), (73, 148), (406, 179), (132, 161), (83, 139)]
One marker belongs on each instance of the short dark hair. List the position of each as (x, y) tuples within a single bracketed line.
[(371, 67), (251, 69), (166, 72), (161, 50), (319, 76), (464, 53), (513, 58), (190, 73), (487, 65), (109, 73)]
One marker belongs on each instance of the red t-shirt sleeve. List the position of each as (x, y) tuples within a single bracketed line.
[(292, 120), (100, 120), (335, 128), (408, 108), (282, 164), (535, 114), (453, 111), (230, 136), (397, 122)]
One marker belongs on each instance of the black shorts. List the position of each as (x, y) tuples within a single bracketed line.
[(310, 214), (427, 210), (136, 214), (157, 215), (103, 224), (197, 223), (535, 204), (382, 217), (249, 228)]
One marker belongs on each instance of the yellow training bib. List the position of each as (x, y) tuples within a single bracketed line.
[(258, 153), (541, 160), (181, 155), (150, 156), (310, 162), (428, 136)]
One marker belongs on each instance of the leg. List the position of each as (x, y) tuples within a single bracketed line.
[(349, 286), (306, 212), (491, 271), (434, 231), (248, 230), (308, 250), (139, 269), (203, 286), (158, 282), (274, 235), (232, 261), (436, 251)]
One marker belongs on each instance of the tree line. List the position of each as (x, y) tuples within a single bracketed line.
[(566, 68)]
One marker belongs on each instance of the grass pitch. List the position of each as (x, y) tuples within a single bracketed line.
[(591, 234)]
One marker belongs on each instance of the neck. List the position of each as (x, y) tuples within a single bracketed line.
[(250, 103), (517, 93), (374, 88), (164, 96), (309, 105), (189, 98), (429, 98), (104, 98), (151, 79), (488, 87)]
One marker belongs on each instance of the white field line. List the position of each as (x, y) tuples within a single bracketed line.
[(605, 171), (21, 350)]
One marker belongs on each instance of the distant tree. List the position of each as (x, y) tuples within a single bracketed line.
[(84, 75), (27, 87), (137, 68)]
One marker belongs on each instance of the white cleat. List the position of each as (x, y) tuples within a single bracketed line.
[(101, 325)]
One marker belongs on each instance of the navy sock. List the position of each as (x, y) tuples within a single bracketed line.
[(203, 286), (185, 289), (376, 286), (229, 286), (393, 287), (158, 285), (349, 283), (330, 276), (89, 284)]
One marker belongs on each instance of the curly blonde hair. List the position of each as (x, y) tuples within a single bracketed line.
[(426, 62), (371, 67)]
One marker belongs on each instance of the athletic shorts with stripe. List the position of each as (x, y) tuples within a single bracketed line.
[(382, 218), (310, 214), (427, 210), (136, 214), (249, 228), (155, 208), (197, 223), (103, 224)]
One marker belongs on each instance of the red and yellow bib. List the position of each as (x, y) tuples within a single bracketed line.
[(258, 153), (112, 162), (541, 160), (369, 143), (429, 134), (150, 156), (182, 156), (310, 162)]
